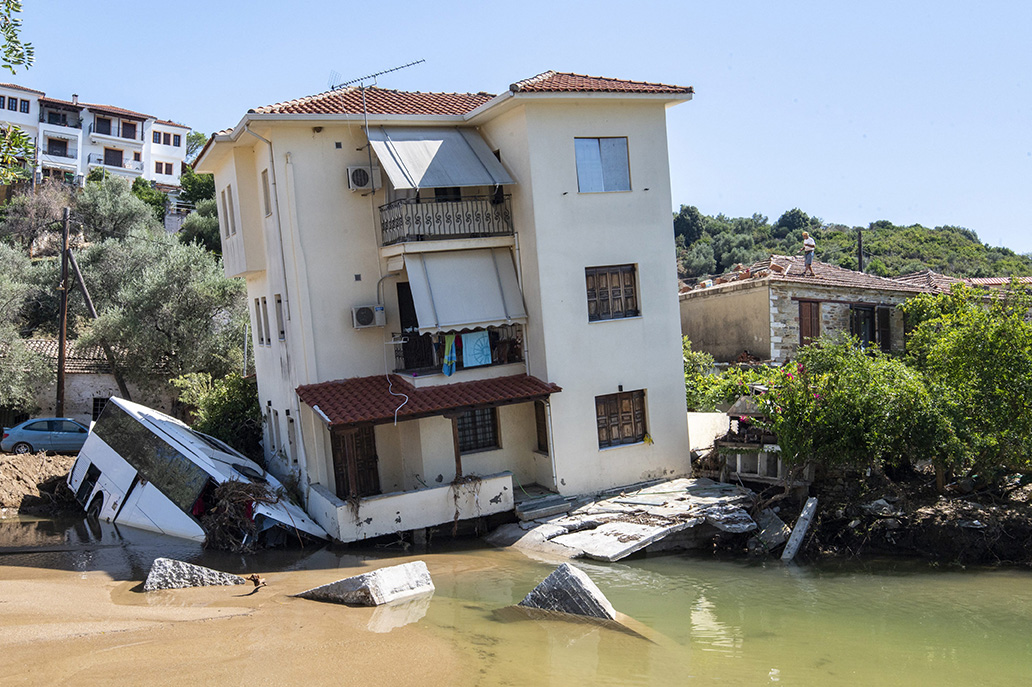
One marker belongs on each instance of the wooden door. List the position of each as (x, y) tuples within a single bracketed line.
[(809, 321), (355, 467), (112, 157), (129, 130)]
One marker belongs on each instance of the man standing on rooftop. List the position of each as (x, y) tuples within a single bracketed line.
[(809, 246)]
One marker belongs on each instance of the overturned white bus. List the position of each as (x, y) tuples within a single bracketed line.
[(145, 469)]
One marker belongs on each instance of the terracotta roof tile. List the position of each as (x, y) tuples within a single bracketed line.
[(558, 82), (789, 268), (21, 88), (78, 360), (169, 122), (379, 101), (930, 280), (118, 111), (362, 400), (61, 103), (993, 282)]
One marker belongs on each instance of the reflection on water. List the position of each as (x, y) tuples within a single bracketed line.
[(707, 620)]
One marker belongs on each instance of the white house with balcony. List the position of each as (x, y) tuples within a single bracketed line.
[(73, 137), (457, 296)]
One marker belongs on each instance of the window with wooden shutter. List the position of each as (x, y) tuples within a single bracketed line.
[(612, 292), (884, 317), (620, 418), (809, 321)]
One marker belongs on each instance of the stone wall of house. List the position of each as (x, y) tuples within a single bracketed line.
[(835, 302), (82, 388)]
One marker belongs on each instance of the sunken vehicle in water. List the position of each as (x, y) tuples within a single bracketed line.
[(145, 469)]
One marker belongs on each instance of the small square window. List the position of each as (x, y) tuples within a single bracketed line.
[(620, 418), (158, 168), (136, 157), (98, 406), (25, 106), (602, 164), (12, 104), (177, 140), (478, 430), (612, 292), (156, 137), (168, 168), (166, 139), (3, 101)]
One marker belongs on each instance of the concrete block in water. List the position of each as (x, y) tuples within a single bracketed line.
[(570, 590), (395, 583), (168, 573)]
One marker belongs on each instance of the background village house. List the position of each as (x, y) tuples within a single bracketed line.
[(524, 236), (770, 309)]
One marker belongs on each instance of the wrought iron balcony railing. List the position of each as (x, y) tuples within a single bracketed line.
[(99, 159), (118, 130), (409, 220), (423, 353)]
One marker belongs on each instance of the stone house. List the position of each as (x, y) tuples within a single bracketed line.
[(769, 309), (89, 383), (456, 296)]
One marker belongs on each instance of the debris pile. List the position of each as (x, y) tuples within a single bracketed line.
[(229, 521), (386, 585), (570, 590)]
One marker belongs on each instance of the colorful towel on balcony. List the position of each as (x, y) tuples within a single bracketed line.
[(449, 355), (476, 349)]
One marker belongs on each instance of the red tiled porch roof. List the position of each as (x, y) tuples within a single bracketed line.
[(379, 101), (559, 82), (367, 400)]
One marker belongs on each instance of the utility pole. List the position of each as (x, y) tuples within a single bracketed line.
[(860, 248), (63, 336)]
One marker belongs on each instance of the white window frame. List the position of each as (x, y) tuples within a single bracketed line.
[(603, 164)]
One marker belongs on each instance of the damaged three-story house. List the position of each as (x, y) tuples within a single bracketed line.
[(456, 296)]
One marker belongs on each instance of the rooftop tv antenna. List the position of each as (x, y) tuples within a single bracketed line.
[(334, 76)]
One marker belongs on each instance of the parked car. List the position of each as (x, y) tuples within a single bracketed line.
[(57, 434)]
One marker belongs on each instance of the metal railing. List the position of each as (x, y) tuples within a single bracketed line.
[(98, 159), (118, 130), (409, 220), (45, 118), (72, 153), (425, 352)]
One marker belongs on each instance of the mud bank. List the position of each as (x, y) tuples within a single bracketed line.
[(34, 484)]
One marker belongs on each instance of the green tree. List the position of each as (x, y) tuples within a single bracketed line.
[(167, 304), (33, 213), (202, 226), (688, 223), (975, 348), (16, 147), (145, 191), (195, 187), (108, 209), (195, 142), (22, 372), (225, 408)]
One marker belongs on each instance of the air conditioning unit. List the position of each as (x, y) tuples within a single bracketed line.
[(363, 178), (363, 316)]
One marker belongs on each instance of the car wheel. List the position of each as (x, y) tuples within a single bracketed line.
[(22, 448)]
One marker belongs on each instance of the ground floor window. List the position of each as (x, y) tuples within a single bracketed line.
[(478, 430), (541, 424), (620, 418), (98, 406), (871, 326)]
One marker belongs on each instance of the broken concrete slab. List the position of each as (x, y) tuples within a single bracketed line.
[(570, 590), (799, 531), (386, 585), (617, 539), (168, 573), (773, 532), (728, 517)]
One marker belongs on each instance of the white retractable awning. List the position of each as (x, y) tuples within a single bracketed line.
[(464, 289), (436, 157)]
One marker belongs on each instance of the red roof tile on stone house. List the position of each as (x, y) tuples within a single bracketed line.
[(78, 359)]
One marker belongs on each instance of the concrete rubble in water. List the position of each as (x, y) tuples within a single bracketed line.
[(386, 585), (681, 513), (168, 573), (570, 590)]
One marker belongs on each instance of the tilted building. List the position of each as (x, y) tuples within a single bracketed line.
[(455, 296)]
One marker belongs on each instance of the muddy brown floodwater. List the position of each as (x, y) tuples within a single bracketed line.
[(73, 612)]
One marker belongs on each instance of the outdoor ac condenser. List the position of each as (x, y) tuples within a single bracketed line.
[(363, 316), (363, 178)]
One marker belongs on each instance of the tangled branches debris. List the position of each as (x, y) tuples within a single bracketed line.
[(229, 522)]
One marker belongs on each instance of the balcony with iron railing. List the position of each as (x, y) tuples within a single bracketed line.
[(129, 131), (423, 354), (60, 153), (132, 166), (408, 219), (60, 119)]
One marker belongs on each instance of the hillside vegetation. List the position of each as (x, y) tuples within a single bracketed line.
[(713, 245)]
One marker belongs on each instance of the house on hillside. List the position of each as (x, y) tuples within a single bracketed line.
[(455, 296), (89, 382), (769, 309), (74, 137)]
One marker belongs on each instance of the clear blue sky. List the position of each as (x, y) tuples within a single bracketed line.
[(914, 112)]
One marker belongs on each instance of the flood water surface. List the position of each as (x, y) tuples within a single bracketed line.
[(73, 612)]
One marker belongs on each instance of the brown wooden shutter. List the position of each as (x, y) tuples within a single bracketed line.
[(884, 317), (809, 321)]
